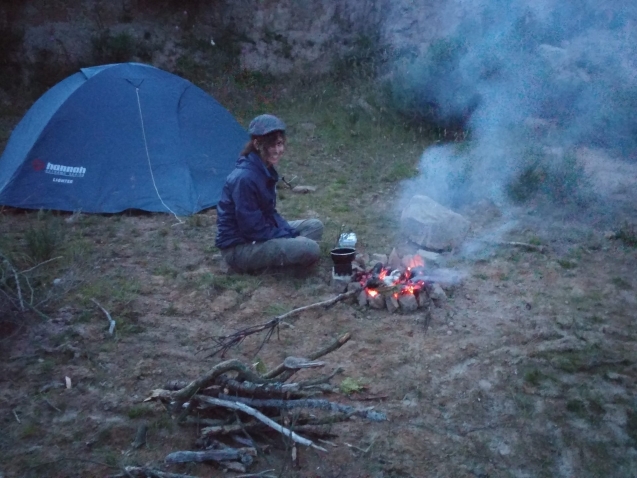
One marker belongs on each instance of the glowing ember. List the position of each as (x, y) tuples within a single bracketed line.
[(393, 282)]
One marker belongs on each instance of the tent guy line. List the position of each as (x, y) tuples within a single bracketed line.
[(150, 167)]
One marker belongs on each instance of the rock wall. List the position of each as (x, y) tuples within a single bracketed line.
[(271, 36)]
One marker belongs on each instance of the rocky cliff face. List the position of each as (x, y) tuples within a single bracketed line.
[(559, 66), (274, 37)]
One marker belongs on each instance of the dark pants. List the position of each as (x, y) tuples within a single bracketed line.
[(275, 253)]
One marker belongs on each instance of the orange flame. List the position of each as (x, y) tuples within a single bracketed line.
[(372, 293)]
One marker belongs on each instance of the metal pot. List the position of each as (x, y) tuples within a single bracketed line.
[(342, 258)]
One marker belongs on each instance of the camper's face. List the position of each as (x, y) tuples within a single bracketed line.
[(273, 152)]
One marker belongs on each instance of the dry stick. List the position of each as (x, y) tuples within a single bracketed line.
[(17, 281), (40, 264), (108, 316), (144, 472), (304, 422), (260, 416), (320, 404), (282, 369), (225, 342), (227, 454), (261, 474), (518, 244)]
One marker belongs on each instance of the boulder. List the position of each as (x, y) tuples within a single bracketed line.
[(432, 225)]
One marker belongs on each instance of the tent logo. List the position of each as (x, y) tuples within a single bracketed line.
[(60, 170)]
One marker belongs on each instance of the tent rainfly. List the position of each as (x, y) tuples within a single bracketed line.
[(117, 137)]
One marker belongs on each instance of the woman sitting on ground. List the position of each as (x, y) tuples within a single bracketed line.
[(251, 234)]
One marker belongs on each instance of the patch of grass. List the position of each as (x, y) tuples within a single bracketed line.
[(170, 310), (621, 283), (578, 407), (399, 171), (351, 385), (526, 185), (567, 264), (30, 430), (197, 220), (43, 241), (108, 290), (139, 411), (166, 271), (46, 366), (525, 405), (275, 309), (533, 377), (238, 283)]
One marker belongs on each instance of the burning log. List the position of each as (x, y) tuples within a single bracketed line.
[(396, 288)]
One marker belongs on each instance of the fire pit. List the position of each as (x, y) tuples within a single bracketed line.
[(406, 288)]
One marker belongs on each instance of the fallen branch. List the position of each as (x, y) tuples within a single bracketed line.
[(181, 396), (302, 422), (226, 342), (278, 389), (261, 474), (145, 472), (259, 416), (226, 454), (108, 316), (526, 245), (367, 413), (282, 369)]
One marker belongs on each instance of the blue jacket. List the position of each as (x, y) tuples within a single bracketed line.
[(247, 211)]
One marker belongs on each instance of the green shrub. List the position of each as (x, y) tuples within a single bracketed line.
[(43, 241), (558, 180)]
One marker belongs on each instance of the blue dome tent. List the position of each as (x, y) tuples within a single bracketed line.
[(117, 137)]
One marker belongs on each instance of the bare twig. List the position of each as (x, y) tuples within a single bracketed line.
[(40, 264), (48, 402), (282, 369), (17, 280), (111, 329), (145, 472), (226, 342), (361, 449), (261, 474), (259, 416), (525, 245)]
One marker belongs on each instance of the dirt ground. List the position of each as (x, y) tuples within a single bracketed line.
[(526, 370)]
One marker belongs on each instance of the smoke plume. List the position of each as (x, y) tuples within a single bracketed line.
[(534, 83)]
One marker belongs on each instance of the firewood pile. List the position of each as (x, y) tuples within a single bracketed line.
[(238, 408)]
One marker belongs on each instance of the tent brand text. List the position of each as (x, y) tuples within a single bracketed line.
[(60, 170)]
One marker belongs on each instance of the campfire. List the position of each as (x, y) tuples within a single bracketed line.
[(405, 288)]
